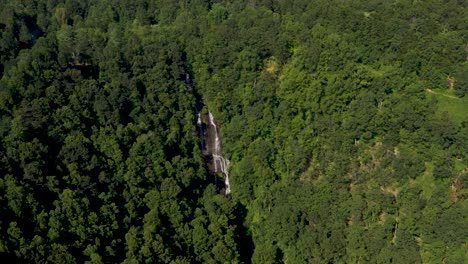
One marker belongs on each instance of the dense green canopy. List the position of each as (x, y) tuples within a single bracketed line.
[(346, 123)]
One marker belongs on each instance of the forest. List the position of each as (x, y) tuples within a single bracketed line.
[(345, 123)]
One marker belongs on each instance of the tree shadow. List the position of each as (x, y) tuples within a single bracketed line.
[(245, 245)]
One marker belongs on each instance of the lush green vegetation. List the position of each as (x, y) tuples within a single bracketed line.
[(345, 122), (449, 102)]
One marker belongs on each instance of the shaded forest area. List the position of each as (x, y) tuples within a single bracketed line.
[(335, 115)]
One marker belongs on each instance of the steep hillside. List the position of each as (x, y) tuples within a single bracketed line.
[(344, 130)]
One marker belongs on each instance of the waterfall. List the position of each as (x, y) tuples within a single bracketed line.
[(198, 107), (199, 119), (210, 142), (201, 133), (219, 162)]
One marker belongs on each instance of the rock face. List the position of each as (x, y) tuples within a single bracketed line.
[(211, 146)]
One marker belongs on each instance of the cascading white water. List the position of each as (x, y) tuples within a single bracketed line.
[(199, 119), (218, 158), (201, 133)]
